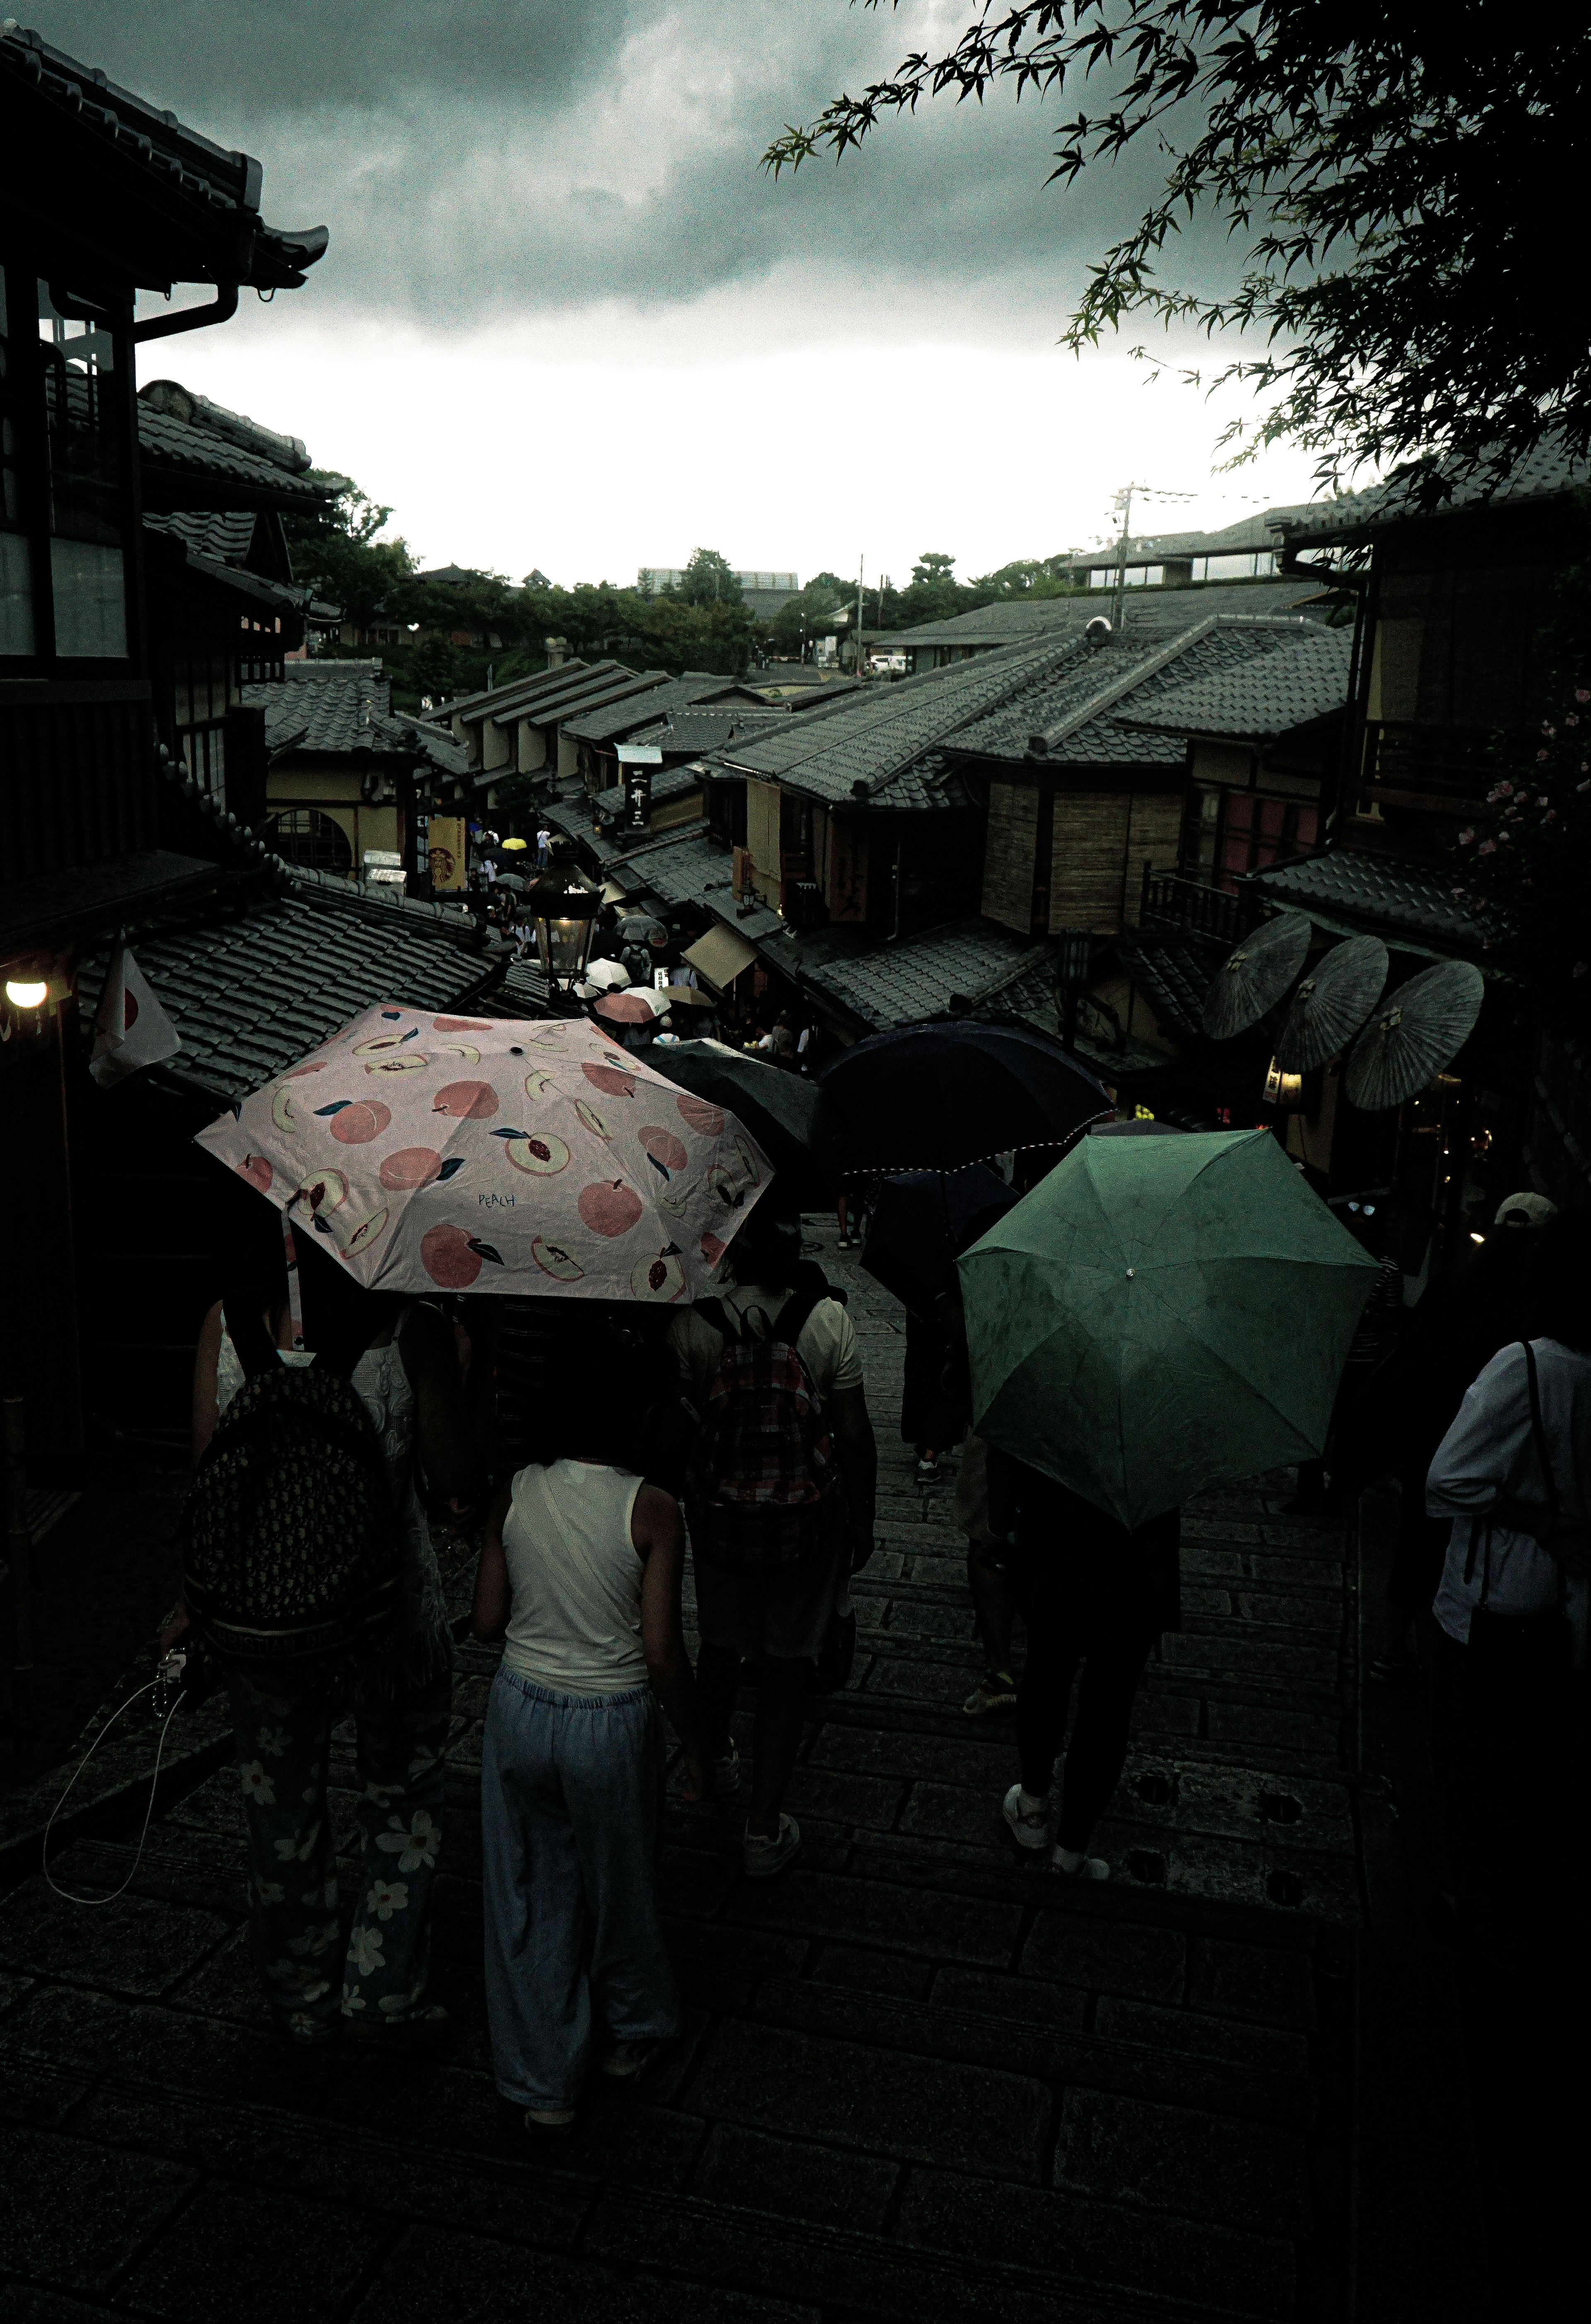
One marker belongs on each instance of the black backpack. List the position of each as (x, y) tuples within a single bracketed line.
[(289, 1536)]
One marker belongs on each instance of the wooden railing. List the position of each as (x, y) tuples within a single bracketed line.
[(1171, 900), (1430, 769)]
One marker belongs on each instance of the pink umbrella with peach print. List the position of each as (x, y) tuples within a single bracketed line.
[(470, 1153)]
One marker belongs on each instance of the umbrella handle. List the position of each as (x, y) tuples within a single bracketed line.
[(295, 1303)]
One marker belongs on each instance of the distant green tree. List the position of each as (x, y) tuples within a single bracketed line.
[(337, 554), (708, 579), (1400, 305), (433, 669)]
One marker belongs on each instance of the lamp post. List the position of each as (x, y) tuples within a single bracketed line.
[(565, 916)]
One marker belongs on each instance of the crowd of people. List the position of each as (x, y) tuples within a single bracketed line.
[(743, 1442)]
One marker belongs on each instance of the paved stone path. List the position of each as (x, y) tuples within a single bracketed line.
[(920, 2080)]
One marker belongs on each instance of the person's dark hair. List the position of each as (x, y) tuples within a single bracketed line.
[(1561, 1266), (603, 1408), (341, 1317), (768, 1249)]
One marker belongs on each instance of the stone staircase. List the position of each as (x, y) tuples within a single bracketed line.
[(919, 2078)]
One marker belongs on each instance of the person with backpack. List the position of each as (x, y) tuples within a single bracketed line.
[(309, 1579), (579, 1575), (780, 1502)]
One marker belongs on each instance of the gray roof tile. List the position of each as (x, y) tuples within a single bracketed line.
[(903, 984), (1078, 700), (335, 710), (240, 1024), (1388, 896), (1017, 621), (620, 719), (1299, 681), (1546, 472)]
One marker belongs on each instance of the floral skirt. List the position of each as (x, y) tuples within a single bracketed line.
[(283, 1745)]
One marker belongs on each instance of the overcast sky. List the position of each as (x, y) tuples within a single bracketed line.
[(566, 320)]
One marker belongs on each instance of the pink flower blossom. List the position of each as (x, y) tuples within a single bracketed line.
[(1543, 802), (1585, 785), (1504, 790), (1505, 835), (1465, 837), (1550, 816), (1540, 755), (1573, 718), (1550, 732), (1583, 694), (1488, 848)]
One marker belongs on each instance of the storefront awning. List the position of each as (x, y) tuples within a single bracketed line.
[(720, 956)]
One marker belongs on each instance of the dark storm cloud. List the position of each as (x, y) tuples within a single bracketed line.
[(481, 159)]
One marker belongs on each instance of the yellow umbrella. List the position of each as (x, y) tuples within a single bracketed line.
[(510, 844)]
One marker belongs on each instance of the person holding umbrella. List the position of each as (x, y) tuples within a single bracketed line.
[(1159, 1314)]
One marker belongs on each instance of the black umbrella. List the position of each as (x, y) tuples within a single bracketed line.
[(790, 1119), (935, 1097), (919, 1223)]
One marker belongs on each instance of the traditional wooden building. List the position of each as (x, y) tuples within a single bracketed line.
[(102, 195)]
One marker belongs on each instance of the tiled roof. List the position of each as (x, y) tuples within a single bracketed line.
[(709, 727), (667, 783), (694, 869), (335, 710), (225, 535), (1076, 706), (1020, 620), (903, 984), (1174, 972), (875, 738), (1256, 531), (251, 991), (1384, 895), (212, 195), (1545, 473), (166, 443), (593, 689), (1300, 679), (620, 719)]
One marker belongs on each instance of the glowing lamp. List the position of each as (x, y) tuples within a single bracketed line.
[(26, 991), (1282, 1089), (565, 916)]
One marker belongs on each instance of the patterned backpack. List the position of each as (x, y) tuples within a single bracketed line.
[(761, 1494), (289, 1536)]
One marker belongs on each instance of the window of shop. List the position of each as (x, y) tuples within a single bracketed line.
[(1255, 831), (302, 834)]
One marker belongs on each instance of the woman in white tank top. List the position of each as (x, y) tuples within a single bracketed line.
[(579, 1576)]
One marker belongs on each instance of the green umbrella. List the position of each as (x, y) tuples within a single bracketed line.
[(1161, 1314)]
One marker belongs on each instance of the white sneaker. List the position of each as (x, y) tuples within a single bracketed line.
[(1030, 1826), (762, 1859), (1079, 1867), (725, 1778)]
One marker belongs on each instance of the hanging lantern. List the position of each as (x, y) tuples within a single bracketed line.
[(1283, 1089), (565, 915)]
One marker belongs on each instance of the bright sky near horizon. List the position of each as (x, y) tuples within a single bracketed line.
[(566, 321)]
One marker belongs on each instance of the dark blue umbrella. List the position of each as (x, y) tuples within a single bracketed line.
[(935, 1097), (922, 1222)]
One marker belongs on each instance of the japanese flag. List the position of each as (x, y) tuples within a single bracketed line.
[(131, 1030)]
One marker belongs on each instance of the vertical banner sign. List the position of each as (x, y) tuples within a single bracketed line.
[(445, 851)]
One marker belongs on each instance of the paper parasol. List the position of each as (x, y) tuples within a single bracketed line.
[(1332, 1003), (1257, 975), (1420, 1029)]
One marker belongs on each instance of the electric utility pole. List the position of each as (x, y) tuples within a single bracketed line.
[(861, 568), (1124, 502)]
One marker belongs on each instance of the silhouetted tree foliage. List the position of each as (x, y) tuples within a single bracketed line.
[(1397, 178)]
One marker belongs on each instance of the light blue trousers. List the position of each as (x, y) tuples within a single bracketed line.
[(569, 1793)]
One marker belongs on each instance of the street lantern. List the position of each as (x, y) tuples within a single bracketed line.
[(565, 915), (1283, 1089)]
